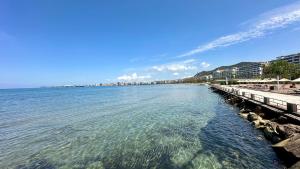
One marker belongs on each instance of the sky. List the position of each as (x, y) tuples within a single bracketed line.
[(65, 42)]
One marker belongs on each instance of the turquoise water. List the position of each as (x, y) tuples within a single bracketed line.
[(161, 126)]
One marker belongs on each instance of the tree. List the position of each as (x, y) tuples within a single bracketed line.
[(283, 69)]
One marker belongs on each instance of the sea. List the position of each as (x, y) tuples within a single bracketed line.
[(171, 126)]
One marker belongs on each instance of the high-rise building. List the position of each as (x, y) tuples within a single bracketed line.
[(241, 70), (249, 70), (294, 58)]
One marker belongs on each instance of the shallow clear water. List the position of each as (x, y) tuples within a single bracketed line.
[(161, 126)]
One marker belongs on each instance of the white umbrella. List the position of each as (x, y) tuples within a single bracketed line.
[(284, 80), (267, 80), (256, 80), (263, 81), (252, 80), (296, 80)]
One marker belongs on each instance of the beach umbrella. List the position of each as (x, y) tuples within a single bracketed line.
[(248, 80), (284, 80), (262, 81), (296, 80), (256, 80), (266, 80)]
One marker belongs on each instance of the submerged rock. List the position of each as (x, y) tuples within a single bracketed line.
[(37, 164)]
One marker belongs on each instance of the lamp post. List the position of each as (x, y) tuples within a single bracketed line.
[(277, 82), (226, 80)]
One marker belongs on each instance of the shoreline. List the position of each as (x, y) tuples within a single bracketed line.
[(282, 132)]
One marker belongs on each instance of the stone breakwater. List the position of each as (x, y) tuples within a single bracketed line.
[(283, 133)]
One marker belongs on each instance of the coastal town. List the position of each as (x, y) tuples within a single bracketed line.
[(243, 72)]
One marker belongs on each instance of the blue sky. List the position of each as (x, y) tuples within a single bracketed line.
[(57, 42)]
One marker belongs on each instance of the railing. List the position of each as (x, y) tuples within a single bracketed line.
[(259, 98), (268, 101), (278, 103), (247, 94)]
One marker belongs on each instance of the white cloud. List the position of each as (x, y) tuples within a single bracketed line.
[(133, 77), (176, 67), (205, 65), (175, 73), (267, 23)]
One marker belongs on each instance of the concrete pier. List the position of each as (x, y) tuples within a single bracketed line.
[(286, 105), (276, 115)]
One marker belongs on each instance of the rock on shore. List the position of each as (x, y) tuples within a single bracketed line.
[(289, 149), (296, 166), (285, 137)]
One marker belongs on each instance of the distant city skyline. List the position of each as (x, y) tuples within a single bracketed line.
[(52, 43)]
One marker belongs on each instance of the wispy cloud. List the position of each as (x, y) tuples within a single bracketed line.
[(265, 24), (176, 67), (133, 77)]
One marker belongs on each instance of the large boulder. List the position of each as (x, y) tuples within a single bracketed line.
[(295, 166), (260, 124), (264, 122), (243, 115), (256, 123), (245, 111), (258, 110), (270, 132), (289, 149), (287, 130), (282, 120), (252, 117)]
